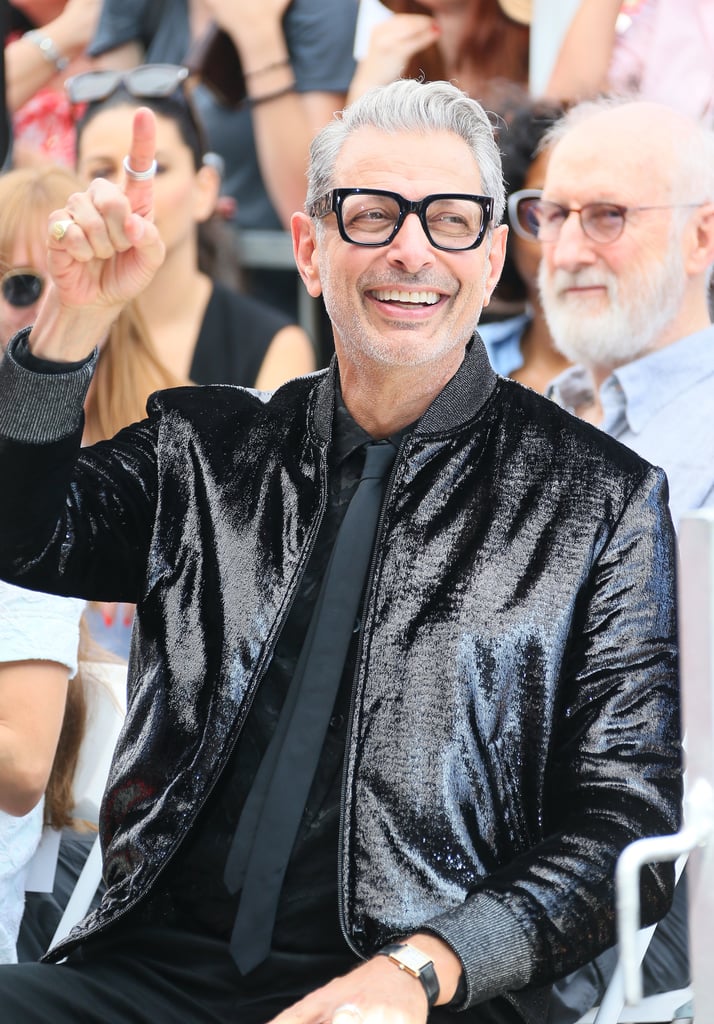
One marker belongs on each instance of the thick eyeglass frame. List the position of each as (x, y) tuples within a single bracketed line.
[(586, 225), (147, 81), (515, 201), (332, 202), (31, 283)]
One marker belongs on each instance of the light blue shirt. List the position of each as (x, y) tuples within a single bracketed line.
[(661, 406), (502, 339)]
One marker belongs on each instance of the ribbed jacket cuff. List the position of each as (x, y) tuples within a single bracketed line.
[(495, 953), (37, 407)]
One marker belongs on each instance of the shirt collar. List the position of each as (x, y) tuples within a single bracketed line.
[(640, 389), (348, 435), (652, 381)]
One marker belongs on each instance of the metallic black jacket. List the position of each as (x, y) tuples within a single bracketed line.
[(514, 719)]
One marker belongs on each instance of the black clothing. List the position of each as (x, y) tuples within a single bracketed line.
[(236, 332), (191, 893), (520, 613)]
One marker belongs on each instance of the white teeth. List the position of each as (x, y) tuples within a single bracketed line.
[(394, 295)]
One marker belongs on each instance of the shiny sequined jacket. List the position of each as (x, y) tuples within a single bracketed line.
[(515, 718)]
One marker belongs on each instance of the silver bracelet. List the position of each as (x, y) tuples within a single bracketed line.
[(47, 48)]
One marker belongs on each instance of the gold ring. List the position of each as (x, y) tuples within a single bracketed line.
[(59, 229)]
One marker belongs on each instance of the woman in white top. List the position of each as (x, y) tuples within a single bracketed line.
[(39, 638)]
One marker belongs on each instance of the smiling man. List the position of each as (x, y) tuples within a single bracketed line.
[(626, 225), (388, 621)]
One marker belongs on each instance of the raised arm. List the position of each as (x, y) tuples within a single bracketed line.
[(284, 118), (39, 637), (582, 64), (27, 69)]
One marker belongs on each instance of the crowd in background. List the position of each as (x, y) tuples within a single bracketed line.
[(233, 137)]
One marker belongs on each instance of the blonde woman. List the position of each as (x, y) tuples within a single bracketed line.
[(129, 369)]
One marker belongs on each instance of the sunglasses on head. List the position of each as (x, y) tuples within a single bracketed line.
[(148, 81), (21, 287)]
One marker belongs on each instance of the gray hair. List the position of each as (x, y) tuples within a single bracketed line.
[(692, 171), (410, 106)]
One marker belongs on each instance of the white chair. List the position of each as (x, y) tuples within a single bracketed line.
[(657, 1009)]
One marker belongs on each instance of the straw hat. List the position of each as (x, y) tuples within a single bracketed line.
[(518, 10)]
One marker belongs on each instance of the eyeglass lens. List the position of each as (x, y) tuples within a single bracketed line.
[(21, 288), (601, 222), (371, 219), (145, 81), (526, 215)]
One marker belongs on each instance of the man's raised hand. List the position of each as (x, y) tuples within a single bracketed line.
[(103, 250)]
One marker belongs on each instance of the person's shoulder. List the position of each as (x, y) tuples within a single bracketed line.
[(581, 443), (208, 403)]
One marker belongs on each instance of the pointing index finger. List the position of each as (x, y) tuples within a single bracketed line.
[(141, 157)]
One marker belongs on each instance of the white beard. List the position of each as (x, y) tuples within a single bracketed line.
[(640, 306)]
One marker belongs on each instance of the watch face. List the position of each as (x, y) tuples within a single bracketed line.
[(411, 959)]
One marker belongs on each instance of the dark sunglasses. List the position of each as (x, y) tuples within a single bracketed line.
[(21, 287), (148, 81)]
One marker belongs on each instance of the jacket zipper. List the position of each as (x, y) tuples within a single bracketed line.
[(350, 718)]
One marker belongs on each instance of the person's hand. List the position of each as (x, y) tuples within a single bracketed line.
[(103, 249), (376, 992), (392, 44), (111, 249), (243, 18), (116, 611), (79, 20)]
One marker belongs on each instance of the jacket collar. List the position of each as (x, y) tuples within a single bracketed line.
[(459, 401)]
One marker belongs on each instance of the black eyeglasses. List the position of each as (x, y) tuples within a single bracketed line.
[(148, 81), (538, 218), (453, 222), (21, 287)]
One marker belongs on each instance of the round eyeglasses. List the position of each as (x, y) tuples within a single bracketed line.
[(533, 217), (21, 287), (521, 215), (453, 222)]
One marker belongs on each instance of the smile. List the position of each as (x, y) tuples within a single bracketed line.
[(409, 298)]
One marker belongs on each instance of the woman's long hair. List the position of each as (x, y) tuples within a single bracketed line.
[(494, 47), (27, 197), (128, 371)]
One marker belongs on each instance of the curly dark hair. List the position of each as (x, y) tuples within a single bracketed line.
[(519, 137)]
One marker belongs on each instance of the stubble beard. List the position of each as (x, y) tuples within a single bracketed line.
[(365, 344)]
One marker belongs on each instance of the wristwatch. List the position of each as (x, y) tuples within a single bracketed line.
[(419, 965)]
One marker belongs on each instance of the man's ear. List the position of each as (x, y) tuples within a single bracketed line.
[(699, 252), (305, 252), (496, 258)]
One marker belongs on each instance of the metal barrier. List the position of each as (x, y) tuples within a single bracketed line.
[(273, 250)]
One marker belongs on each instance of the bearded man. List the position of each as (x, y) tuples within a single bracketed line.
[(626, 224)]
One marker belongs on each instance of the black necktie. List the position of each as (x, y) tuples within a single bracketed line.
[(270, 819)]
